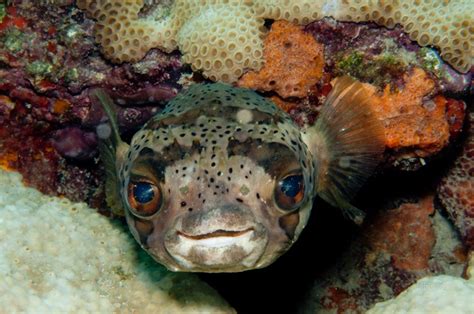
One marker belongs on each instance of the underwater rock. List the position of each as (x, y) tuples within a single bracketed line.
[(394, 249), (50, 64), (75, 143), (294, 62), (405, 234), (59, 256), (456, 190)]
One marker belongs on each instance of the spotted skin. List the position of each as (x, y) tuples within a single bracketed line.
[(215, 146), (215, 160)]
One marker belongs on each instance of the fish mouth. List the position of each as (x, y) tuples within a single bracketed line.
[(215, 234), (219, 250)]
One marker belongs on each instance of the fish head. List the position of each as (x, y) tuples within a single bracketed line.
[(220, 181)]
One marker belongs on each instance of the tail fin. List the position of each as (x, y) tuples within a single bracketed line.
[(347, 142), (111, 148)]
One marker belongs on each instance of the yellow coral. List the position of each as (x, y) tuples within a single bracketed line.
[(223, 38)]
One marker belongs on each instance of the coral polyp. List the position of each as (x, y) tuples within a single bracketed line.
[(222, 38)]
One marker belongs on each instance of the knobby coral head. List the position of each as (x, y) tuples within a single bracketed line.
[(224, 38)]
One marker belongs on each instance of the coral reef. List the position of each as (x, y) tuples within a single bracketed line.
[(236, 29), (58, 256), (456, 190), (395, 248), (380, 56), (294, 62), (49, 66), (418, 121), (439, 294), (408, 244)]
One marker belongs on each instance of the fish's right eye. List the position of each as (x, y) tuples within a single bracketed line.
[(144, 198), (289, 192)]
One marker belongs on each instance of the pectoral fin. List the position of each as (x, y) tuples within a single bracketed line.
[(112, 150), (347, 142)]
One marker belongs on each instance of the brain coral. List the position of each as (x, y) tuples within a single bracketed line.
[(62, 257), (439, 294), (224, 37)]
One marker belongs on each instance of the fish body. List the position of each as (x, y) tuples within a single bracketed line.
[(222, 180)]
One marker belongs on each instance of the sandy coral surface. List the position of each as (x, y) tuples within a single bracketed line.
[(59, 256)]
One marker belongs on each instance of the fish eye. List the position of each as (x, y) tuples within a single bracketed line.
[(144, 198), (289, 192)]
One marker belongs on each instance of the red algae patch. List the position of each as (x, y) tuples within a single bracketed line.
[(408, 121), (294, 62), (406, 234)]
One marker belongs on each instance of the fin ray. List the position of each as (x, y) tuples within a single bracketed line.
[(108, 147), (347, 141)]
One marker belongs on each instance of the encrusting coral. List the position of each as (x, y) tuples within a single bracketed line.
[(62, 257), (224, 37), (456, 190), (409, 121), (294, 62)]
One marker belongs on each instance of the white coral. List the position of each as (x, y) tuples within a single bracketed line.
[(431, 295), (62, 257)]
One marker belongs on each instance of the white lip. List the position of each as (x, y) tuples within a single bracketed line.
[(220, 248), (220, 240)]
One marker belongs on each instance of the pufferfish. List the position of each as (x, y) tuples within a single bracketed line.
[(222, 180)]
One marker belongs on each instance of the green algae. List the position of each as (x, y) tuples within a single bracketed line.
[(430, 61), (39, 68), (13, 39), (71, 75), (3, 11), (378, 70)]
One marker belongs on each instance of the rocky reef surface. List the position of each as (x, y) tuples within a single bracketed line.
[(50, 64)]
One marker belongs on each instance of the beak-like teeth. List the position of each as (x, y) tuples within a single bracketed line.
[(215, 234)]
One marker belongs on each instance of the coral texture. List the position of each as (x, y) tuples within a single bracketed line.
[(409, 244), (409, 121), (439, 294), (395, 248), (294, 62), (456, 190), (58, 256), (49, 66), (236, 28)]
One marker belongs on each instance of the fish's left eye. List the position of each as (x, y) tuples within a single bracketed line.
[(289, 192), (144, 198)]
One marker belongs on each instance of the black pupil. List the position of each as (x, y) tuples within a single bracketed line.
[(291, 186), (143, 192)]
